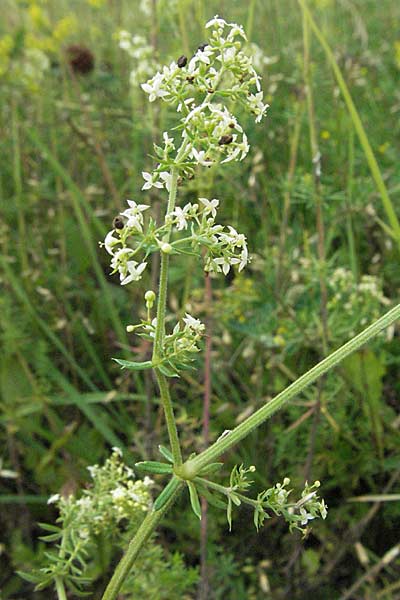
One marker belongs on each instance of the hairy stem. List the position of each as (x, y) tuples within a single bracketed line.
[(60, 589), (160, 332), (192, 467), (144, 532), (169, 417)]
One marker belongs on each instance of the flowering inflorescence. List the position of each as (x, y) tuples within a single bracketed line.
[(112, 500), (273, 500), (219, 71), (223, 247)]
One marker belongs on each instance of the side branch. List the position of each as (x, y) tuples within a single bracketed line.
[(190, 469)]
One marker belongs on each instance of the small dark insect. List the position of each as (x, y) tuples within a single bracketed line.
[(118, 223), (232, 125), (182, 61), (225, 140), (202, 47), (190, 79), (80, 58)]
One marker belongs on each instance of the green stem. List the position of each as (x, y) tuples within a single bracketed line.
[(160, 332), (163, 285), (60, 589), (169, 417), (145, 530), (190, 469), (226, 491)]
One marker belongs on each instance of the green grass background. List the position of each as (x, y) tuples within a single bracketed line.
[(72, 149)]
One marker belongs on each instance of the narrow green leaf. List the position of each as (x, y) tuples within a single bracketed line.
[(149, 466), (133, 366), (194, 499), (235, 499), (166, 453), (167, 371), (229, 513), (166, 494)]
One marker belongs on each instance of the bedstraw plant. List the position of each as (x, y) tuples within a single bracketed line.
[(207, 91)]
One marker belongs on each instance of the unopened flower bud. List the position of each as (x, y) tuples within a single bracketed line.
[(130, 328), (286, 481), (150, 298)]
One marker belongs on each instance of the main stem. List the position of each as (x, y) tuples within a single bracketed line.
[(60, 589), (145, 530), (160, 332)]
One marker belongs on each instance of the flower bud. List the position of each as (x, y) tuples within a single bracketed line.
[(286, 481), (130, 328), (150, 298)]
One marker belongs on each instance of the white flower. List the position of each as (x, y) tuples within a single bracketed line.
[(193, 323), (110, 241), (236, 30), (182, 215), (323, 509), (186, 103), (216, 21), (120, 258), (256, 104), (154, 87), (200, 157), (134, 214), (305, 516), (204, 55), (168, 141), (166, 177), (228, 55), (53, 499), (151, 181), (134, 272), (210, 206), (242, 148), (244, 258), (225, 263)]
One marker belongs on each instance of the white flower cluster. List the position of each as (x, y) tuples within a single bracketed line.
[(219, 69), (224, 246), (122, 257), (112, 497), (357, 302), (298, 514), (142, 55)]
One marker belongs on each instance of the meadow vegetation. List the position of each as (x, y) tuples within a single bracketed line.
[(317, 198)]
